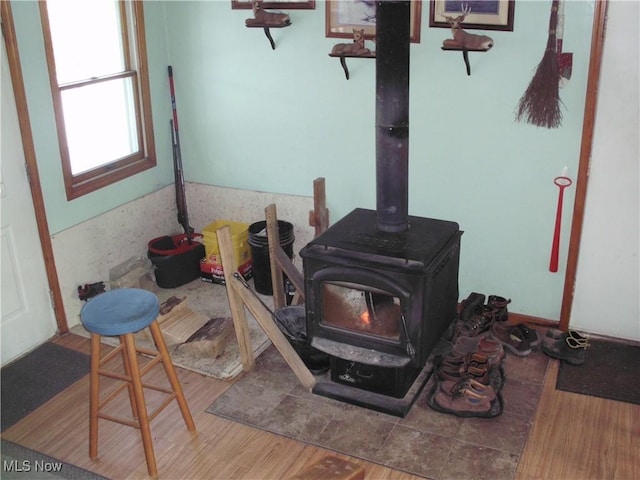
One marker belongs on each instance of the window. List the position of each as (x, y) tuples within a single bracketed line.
[(98, 73)]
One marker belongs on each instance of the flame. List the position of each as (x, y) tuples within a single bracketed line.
[(365, 318)]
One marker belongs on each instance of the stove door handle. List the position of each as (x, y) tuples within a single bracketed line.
[(411, 350)]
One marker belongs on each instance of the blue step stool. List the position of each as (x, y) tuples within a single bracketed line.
[(122, 313)]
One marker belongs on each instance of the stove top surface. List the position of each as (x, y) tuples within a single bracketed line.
[(357, 232)]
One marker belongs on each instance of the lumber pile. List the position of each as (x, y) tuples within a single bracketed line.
[(191, 332)]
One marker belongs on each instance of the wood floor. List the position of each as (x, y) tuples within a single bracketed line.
[(573, 437), (580, 437)]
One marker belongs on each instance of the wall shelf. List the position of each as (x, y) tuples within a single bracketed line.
[(343, 62), (267, 32), (465, 54)]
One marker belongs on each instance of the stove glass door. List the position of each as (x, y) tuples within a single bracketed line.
[(364, 309)]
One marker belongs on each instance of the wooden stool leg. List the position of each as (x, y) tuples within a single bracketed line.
[(141, 407), (156, 333), (94, 395), (127, 372)]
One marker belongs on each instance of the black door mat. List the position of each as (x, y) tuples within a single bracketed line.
[(610, 371), (37, 377)]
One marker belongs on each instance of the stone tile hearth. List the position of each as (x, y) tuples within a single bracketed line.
[(425, 443)]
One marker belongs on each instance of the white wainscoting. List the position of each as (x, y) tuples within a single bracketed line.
[(86, 252)]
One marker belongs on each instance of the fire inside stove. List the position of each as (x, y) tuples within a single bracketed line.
[(361, 308)]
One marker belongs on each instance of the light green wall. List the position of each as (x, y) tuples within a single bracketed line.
[(62, 214), (258, 119), (274, 120)]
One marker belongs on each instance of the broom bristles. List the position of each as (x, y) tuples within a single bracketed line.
[(540, 103)]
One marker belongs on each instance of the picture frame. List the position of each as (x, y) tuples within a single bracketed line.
[(342, 16), (489, 14), (280, 4)]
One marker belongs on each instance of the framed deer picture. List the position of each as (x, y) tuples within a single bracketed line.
[(343, 16), (479, 14)]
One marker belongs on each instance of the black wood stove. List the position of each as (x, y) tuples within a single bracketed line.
[(378, 303), (381, 286)]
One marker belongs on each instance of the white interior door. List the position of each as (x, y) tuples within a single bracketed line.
[(28, 318)]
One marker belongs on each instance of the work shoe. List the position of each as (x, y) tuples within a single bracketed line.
[(568, 349), (468, 305), (465, 399), (479, 322), (482, 344), (452, 363), (500, 305), (474, 365), (473, 359), (452, 387), (511, 337), (462, 402), (456, 373)]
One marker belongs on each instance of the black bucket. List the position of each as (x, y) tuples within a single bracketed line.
[(292, 322), (259, 244), (176, 261)]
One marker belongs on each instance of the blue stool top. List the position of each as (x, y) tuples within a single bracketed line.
[(120, 311)]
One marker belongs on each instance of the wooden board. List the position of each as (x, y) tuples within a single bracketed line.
[(319, 216), (170, 307), (240, 325), (210, 339), (331, 468), (177, 322), (264, 318)]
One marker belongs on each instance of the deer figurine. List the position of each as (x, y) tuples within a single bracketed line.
[(265, 18), (354, 48), (462, 39)]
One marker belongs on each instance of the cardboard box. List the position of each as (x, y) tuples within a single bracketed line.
[(211, 270)]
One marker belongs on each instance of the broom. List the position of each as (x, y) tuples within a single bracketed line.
[(540, 103)]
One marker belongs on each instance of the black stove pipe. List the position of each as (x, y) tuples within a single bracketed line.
[(393, 30)]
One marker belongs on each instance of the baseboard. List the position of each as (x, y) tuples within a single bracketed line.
[(521, 318)]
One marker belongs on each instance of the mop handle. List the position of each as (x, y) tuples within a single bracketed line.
[(174, 110)]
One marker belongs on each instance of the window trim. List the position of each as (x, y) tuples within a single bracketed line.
[(94, 179)]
